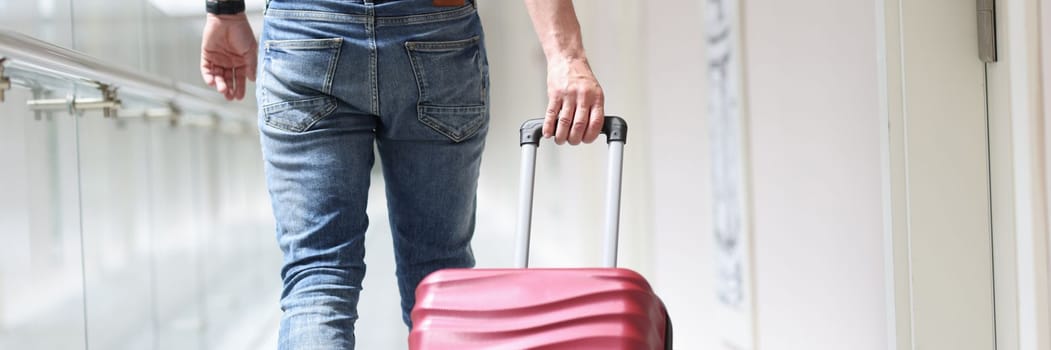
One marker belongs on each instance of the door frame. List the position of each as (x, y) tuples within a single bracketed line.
[(1018, 149), (937, 205), (1018, 88)]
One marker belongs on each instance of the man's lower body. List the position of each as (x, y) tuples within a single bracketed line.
[(339, 79)]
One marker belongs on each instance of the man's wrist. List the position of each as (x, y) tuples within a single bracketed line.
[(567, 59), (228, 18), (225, 7)]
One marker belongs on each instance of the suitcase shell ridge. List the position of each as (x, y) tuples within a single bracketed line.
[(544, 309)]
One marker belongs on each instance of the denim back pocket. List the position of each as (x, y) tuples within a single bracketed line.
[(453, 84), (297, 82)]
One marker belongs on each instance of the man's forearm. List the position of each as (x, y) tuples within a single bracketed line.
[(555, 22), (575, 107)]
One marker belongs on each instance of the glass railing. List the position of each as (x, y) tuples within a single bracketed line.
[(133, 213)]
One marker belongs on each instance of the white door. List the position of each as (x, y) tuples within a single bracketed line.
[(937, 170)]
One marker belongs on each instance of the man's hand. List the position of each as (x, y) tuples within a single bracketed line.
[(575, 102), (228, 54), (575, 99)]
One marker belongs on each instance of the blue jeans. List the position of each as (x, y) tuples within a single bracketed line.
[(337, 79)]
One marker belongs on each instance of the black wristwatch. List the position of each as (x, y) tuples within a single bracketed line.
[(225, 7)]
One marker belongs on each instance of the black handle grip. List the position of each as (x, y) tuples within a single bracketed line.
[(615, 129)]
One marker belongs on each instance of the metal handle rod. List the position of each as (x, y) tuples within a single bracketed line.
[(525, 204), (616, 131), (613, 187)]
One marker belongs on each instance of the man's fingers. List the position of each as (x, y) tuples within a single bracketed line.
[(239, 78), (554, 105), (208, 78), (206, 73), (231, 86), (580, 124), (220, 84), (598, 117), (252, 61), (565, 122)]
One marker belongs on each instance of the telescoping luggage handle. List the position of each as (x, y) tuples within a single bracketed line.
[(616, 131)]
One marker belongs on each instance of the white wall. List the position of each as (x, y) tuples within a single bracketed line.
[(1018, 114), (1045, 50), (812, 97), (676, 92)]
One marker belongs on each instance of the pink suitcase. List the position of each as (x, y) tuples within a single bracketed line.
[(551, 309)]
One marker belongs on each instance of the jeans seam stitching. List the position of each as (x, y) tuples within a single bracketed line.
[(333, 63), (329, 107), (438, 46), (417, 71), (427, 17), (317, 15), (304, 44), (370, 28), (469, 129), (262, 86)]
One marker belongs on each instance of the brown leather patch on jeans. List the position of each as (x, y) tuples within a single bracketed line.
[(448, 3)]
